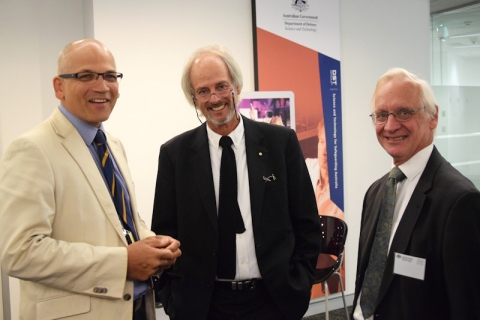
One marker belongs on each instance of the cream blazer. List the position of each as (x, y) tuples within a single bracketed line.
[(61, 235)]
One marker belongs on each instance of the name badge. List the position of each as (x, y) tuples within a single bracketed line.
[(409, 266)]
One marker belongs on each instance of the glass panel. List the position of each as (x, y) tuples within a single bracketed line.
[(456, 83)]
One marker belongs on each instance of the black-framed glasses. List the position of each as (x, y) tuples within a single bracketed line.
[(111, 77), (221, 91), (400, 115)]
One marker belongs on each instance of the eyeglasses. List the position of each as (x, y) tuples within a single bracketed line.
[(400, 115), (110, 77), (222, 91)]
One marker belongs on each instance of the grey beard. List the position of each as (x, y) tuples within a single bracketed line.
[(229, 117)]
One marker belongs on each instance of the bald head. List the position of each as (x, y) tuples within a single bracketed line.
[(65, 56), (90, 101)]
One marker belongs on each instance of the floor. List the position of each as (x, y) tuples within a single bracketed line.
[(338, 314)]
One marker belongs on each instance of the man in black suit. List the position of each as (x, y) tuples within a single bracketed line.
[(432, 267), (277, 252)]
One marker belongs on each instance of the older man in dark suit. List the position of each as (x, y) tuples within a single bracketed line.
[(419, 251), (277, 241)]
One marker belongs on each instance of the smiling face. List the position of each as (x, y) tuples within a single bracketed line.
[(209, 73), (402, 140), (90, 102)]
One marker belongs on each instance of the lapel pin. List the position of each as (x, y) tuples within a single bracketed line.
[(269, 178)]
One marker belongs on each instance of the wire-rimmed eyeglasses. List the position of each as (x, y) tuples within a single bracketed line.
[(221, 91), (400, 115), (111, 77)]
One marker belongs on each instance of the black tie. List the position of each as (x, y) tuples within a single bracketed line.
[(230, 220), (116, 191)]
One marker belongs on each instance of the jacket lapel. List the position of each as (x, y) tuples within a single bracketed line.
[(369, 225), (118, 153), (75, 146), (257, 156), (257, 159), (202, 171), (409, 219)]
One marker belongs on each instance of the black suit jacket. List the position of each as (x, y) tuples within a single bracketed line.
[(284, 216), (441, 224)]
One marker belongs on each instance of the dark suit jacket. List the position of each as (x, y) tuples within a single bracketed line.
[(442, 225), (284, 217)]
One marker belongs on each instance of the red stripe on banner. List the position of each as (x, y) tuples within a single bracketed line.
[(285, 65)]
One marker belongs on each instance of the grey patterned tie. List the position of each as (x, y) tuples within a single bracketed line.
[(378, 255)]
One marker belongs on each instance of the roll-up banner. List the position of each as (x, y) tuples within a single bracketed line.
[(297, 49)]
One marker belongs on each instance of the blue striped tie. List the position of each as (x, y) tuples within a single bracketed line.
[(379, 253), (116, 191)]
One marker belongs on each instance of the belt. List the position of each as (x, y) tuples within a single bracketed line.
[(249, 284)]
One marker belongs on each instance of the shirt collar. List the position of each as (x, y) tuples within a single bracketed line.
[(86, 131), (416, 164), (236, 135)]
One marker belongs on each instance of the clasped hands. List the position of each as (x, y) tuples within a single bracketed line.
[(151, 256)]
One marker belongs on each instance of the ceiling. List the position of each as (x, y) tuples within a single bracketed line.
[(437, 6), (457, 24)]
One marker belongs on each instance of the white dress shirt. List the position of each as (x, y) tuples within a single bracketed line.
[(247, 266)]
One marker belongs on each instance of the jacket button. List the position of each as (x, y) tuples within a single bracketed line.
[(100, 290), (127, 297), (214, 253), (210, 284)]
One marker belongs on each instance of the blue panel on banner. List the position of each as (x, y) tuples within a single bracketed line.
[(332, 113)]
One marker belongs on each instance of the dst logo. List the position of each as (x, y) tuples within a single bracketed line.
[(300, 5), (333, 77)]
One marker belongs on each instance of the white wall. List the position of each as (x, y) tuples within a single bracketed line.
[(32, 33), (151, 53), (451, 68), (396, 35), (152, 39)]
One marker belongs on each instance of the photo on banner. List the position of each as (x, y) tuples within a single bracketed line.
[(276, 107), (297, 49)]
